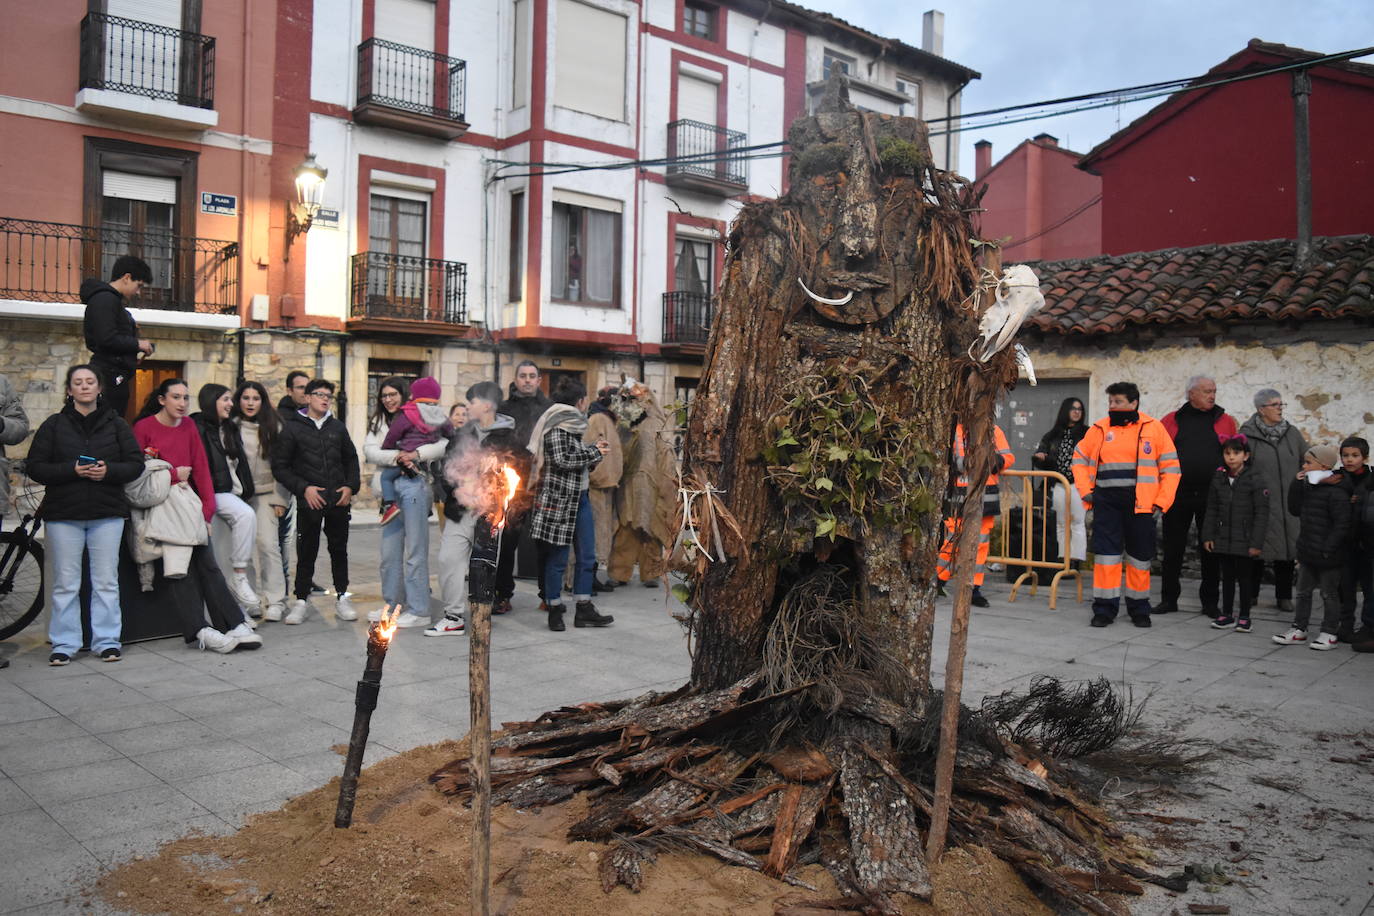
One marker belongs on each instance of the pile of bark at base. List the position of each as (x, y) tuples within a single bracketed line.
[(408, 852)]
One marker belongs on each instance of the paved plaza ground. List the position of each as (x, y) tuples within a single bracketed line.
[(101, 762)]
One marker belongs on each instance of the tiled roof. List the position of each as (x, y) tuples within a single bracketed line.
[(1245, 281)]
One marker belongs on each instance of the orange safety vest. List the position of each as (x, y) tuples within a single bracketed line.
[(1140, 455), (991, 498)]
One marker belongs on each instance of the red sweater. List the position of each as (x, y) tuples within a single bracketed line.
[(180, 446)]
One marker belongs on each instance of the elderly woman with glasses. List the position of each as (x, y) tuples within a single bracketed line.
[(1277, 450)]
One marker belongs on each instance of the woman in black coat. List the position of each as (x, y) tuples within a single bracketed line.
[(233, 481), (84, 455), (1055, 453)]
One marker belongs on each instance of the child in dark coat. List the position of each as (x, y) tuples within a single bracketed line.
[(1358, 574), (1233, 529), (1320, 497)]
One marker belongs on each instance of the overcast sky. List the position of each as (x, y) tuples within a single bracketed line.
[(1030, 50)]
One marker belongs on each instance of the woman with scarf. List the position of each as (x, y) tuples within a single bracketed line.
[(1055, 453), (648, 492), (258, 426), (233, 483), (562, 511), (1276, 455)]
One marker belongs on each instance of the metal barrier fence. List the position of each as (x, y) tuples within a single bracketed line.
[(1037, 540)]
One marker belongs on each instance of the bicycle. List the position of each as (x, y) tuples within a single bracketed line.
[(21, 566)]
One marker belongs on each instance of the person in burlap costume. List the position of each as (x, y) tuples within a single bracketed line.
[(604, 479), (648, 492)]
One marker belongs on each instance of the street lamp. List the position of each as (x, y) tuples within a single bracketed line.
[(300, 214)]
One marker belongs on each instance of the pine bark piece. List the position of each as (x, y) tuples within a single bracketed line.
[(1101, 881), (796, 817), (884, 839), (623, 864), (1018, 822), (661, 805), (535, 792), (796, 764)]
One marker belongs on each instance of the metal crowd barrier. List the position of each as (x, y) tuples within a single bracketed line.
[(1036, 537)]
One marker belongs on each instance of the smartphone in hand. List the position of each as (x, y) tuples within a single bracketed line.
[(86, 461)]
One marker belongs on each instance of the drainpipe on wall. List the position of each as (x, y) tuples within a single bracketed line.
[(1302, 91), (341, 402), (951, 137)]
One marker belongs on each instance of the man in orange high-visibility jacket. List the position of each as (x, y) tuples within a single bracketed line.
[(992, 506), (1125, 468)]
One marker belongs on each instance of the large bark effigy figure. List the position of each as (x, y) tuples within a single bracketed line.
[(814, 485)]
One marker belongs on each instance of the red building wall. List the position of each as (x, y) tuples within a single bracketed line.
[(1040, 204), (1219, 166)]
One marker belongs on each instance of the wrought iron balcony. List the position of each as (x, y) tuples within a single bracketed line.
[(411, 89), (687, 319), (707, 158), (393, 288), (46, 262), (154, 61)]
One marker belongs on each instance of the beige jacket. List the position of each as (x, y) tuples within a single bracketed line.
[(264, 484)]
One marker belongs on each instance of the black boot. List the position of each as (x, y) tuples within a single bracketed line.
[(556, 619), (600, 585), (977, 599), (587, 616)]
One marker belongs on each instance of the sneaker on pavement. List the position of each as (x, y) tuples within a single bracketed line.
[(246, 637), (343, 607), (1224, 622), (389, 512), (1294, 637), (242, 591), (408, 619), (501, 607), (211, 640), (1165, 607), (1243, 625), (1142, 621), (274, 612), (296, 611), (58, 659), (446, 627), (111, 654), (1324, 642)]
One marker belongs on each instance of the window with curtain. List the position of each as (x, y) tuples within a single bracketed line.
[(586, 255), (692, 266), (138, 217), (396, 250)]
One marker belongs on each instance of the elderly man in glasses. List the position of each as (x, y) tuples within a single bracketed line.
[(1276, 448), (315, 459)]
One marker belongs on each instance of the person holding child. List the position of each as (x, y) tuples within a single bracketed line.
[(1233, 530), (1320, 497)]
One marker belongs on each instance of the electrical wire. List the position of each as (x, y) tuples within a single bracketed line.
[(1077, 212), (1102, 99)]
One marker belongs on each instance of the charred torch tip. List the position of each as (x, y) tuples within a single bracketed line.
[(386, 624)]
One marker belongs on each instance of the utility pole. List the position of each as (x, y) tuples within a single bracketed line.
[(1302, 91)]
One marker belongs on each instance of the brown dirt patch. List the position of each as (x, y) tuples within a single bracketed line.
[(407, 852)]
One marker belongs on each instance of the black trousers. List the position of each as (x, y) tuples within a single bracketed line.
[(1187, 511), (115, 396), (1283, 578), (334, 520), (505, 564), (1236, 573), (1357, 576), (203, 593)]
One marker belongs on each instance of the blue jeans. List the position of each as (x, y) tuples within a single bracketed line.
[(389, 477), (405, 548), (66, 540), (584, 546)]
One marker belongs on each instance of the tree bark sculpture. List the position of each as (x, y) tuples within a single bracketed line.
[(815, 481)]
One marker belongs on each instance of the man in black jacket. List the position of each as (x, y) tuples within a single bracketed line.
[(294, 399), (525, 406), (111, 332), (315, 459)]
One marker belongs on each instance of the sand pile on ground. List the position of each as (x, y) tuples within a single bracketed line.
[(408, 852)]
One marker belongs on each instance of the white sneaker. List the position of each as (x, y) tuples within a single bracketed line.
[(246, 637), (274, 612), (1294, 637), (1323, 643), (211, 640), (343, 607), (446, 627), (408, 619), (250, 622), (297, 611), (375, 614), (242, 591)]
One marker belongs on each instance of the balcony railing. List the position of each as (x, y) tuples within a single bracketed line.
[(140, 58), (706, 153), (46, 262), (687, 318), (392, 76), (399, 287)]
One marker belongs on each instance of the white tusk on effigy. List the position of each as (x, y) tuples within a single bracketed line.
[(847, 296)]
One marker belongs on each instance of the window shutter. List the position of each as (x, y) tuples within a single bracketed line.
[(406, 22), (696, 99), (151, 188), (157, 12)]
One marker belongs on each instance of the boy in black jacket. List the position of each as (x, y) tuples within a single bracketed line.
[(1320, 497), (315, 459), (1233, 530), (1358, 573), (110, 330)]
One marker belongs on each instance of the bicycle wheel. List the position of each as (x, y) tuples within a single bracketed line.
[(21, 582)]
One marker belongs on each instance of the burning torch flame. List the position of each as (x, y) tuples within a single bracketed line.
[(386, 624), (512, 483)]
